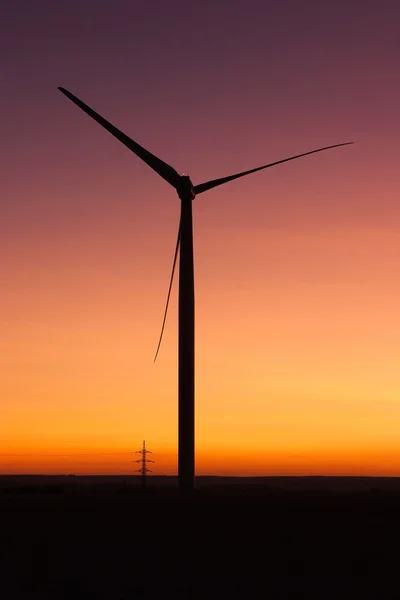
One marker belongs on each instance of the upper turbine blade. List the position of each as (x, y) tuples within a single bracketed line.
[(203, 187), (169, 291), (159, 166)]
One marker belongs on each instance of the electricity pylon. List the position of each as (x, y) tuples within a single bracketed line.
[(144, 460)]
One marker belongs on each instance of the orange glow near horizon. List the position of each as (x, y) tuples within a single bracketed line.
[(296, 374)]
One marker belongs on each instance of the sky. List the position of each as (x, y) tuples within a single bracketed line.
[(296, 267)]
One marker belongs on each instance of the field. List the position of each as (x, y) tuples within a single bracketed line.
[(273, 538)]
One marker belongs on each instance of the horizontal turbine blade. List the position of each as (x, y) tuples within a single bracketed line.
[(169, 290), (159, 166), (203, 187)]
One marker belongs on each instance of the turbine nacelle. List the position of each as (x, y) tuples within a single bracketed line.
[(185, 188)]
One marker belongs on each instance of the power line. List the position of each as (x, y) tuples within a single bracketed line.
[(6, 454)]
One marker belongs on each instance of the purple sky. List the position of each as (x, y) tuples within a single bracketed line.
[(193, 81)]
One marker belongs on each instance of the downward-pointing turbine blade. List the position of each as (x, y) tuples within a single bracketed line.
[(169, 291), (203, 187), (163, 169)]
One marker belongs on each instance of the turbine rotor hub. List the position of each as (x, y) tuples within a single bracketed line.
[(185, 188)]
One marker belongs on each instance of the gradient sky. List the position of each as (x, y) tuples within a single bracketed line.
[(297, 285)]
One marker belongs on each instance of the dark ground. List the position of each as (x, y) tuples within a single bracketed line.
[(274, 538)]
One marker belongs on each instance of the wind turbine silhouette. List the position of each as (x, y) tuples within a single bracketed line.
[(186, 192)]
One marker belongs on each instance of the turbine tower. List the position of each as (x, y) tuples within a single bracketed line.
[(184, 244)]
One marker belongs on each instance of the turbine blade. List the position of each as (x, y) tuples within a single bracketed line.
[(203, 187), (169, 290), (159, 166)]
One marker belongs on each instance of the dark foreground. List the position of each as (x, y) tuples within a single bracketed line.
[(227, 542)]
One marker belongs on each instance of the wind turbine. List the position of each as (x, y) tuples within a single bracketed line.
[(186, 192)]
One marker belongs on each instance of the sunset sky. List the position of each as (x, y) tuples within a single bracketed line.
[(296, 267)]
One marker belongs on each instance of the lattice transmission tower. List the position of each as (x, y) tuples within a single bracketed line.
[(144, 460)]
